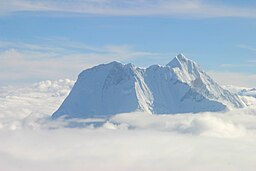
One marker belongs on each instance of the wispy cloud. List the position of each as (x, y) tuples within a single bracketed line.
[(183, 8), (246, 64), (234, 78), (23, 62), (247, 47)]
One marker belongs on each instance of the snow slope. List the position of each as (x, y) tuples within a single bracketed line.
[(179, 87)]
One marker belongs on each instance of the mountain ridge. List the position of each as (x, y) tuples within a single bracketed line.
[(181, 86)]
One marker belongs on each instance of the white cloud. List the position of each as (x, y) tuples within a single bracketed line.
[(234, 78), (58, 58), (38, 100), (187, 8), (135, 141), (247, 47), (248, 64), (234, 89)]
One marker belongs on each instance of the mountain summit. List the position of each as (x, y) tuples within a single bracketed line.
[(179, 87)]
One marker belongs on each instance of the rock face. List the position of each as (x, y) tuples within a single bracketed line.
[(179, 87)]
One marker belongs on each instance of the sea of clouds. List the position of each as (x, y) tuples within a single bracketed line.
[(30, 140)]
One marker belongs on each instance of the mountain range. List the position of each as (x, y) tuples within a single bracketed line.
[(181, 86)]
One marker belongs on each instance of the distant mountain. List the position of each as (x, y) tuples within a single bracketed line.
[(248, 92), (179, 87), (241, 91)]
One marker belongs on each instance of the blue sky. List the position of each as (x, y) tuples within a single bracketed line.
[(57, 39)]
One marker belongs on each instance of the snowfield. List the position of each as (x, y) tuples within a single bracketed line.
[(30, 141)]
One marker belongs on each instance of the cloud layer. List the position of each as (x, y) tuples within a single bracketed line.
[(174, 8), (134, 141)]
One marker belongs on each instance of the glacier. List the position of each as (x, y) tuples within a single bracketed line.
[(181, 86)]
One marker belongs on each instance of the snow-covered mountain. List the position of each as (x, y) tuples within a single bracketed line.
[(179, 87), (248, 92)]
